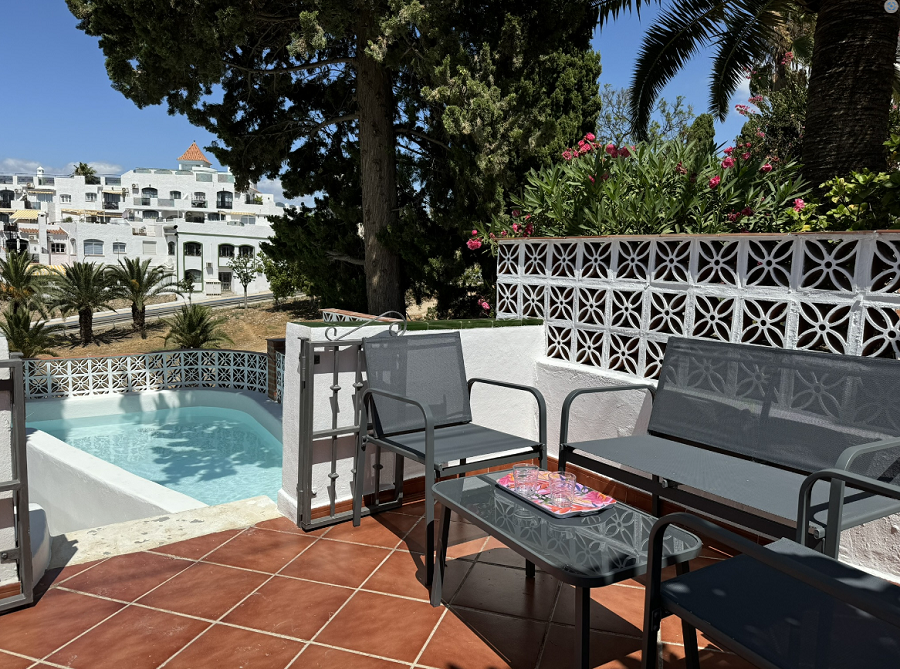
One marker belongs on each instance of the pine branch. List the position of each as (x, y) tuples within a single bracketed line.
[(420, 135), (294, 68)]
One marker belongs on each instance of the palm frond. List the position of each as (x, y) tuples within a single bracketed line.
[(749, 29), (668, 45), (608, 10)]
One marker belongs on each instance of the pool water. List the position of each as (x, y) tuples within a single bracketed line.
[(213, 455)]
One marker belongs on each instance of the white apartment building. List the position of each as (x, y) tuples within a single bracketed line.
[(190, 220)]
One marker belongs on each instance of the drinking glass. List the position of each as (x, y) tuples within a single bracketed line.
[(525, 479), (562, 489)]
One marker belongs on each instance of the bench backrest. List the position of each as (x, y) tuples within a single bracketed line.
[(794, 409), (428, 368)]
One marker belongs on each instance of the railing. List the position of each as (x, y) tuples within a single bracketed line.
[(279, 376), (24, 180), (46, 181), (142, 201), (204, 177), (225, 178), (112, 181), (165, 202), (164, 370), (6, 179), (223, 204), (198, 204), (613, 302), (111, 205)]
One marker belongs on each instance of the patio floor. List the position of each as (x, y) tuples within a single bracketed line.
[(271, 597)]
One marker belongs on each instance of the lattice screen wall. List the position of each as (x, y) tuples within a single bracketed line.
[(612, 302)]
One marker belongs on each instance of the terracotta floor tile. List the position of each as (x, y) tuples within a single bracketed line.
[(286, 606), (204, 590), (135, 637), (224, 647), (196, 548), (8, 661), (476, 640), (261, 550), (615, 609), (127, 577), (465, 540), (505, 590), (383, 529), (56, 619), (337, 562), (319, 657), (608, 651), (412, 509), (381, 625), (283, 524), (495, 552), (402, 574), (55, 577)]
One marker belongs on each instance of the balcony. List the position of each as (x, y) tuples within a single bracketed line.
[(198, 204), (223, 204), (165, 203), (111, 206), (142, 201)]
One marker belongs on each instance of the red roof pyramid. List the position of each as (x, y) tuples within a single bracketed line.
[(194, 153)]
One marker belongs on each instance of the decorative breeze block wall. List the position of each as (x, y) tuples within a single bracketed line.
[(613, 302)]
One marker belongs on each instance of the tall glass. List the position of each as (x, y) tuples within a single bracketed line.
[(525, 478), (562, 489)]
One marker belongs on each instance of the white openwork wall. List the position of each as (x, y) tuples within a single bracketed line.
[(612, 302), (165, 370), (279, 376)]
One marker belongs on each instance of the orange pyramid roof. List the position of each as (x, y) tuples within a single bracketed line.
[(194, 153)]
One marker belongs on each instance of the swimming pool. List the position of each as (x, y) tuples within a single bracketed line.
[(212, 454)]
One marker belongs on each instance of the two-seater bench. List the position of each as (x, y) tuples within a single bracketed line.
[(734, 429)]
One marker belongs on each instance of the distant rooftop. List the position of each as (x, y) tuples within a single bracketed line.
[(194, 153)]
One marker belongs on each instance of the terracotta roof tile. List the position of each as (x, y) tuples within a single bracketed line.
[(194, 153)]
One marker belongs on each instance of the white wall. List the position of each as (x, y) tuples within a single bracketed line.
[(491, 353), (7, 520), (79, 491)]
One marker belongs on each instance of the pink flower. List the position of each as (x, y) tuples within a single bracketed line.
[(624, 152), (733, 217), (714, 182), (503, 233), (799, 204), (728, 163), (587, 147), (527, 216), (766, 168), (515, 213), (590, 137), (485, 306), (745, 156), (680, 169), (567, 155), (605, 176), (760, 133), (515, 227), (756, 99), (473, 244), (729, 150), (788, 57), (611, 149), (474, 232), (591, 178), (747, 211), (529, 230), (580, 142), (491, 235)]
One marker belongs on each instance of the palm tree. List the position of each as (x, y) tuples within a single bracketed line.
[(83, 287), (21, 283), (31, 338), (195, 327), (852, 67), (136, 281), (84, 170)]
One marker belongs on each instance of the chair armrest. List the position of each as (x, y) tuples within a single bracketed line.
[(848, 455), (567, 404), (426, 413), (542, 405), (857, 480), (787, 565)]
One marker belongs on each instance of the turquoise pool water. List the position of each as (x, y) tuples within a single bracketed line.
[(214, 455)]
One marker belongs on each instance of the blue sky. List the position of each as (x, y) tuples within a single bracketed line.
[(65, 110)]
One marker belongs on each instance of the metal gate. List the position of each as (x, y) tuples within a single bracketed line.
[(311, 354), (16, 488)]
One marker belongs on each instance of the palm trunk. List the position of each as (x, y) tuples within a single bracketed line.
[(140, 320), (849, 89), (86, 326), (378, 176)]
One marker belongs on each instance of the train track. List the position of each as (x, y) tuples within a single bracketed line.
[(157, 311)]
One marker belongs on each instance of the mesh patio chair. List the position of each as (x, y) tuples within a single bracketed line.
[(417, 403)]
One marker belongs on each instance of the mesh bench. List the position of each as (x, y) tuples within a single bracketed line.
[(734, 429), (783, 606), (417, 403)]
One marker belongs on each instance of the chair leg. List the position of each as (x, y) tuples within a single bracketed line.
[(360, 481), (563, 456), (429, 529), (691, 650), (437, 581)]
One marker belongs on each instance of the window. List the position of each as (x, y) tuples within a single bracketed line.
[(192, 249), (57, 247), (93, 247), (118, 247), (246, 251), (151, 215), (193, 274), (149, 248), (175, 194), (149, 192), (248, 220), (90, 197), (45, 197), (224, 199), (226, 251), (214, 216), (171, 248)]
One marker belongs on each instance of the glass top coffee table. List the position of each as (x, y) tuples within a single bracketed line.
[(585, 551)]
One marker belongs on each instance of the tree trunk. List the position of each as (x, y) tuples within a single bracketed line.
[(245, 297), (139, 316), (86, 326), (849, 89), (378, 176)]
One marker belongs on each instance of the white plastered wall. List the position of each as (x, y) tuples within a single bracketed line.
[(7, 519)]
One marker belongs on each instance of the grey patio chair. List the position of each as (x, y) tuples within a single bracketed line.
[(782, 606), (417, 404)]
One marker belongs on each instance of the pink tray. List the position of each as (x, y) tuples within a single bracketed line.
[(586, 502)]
